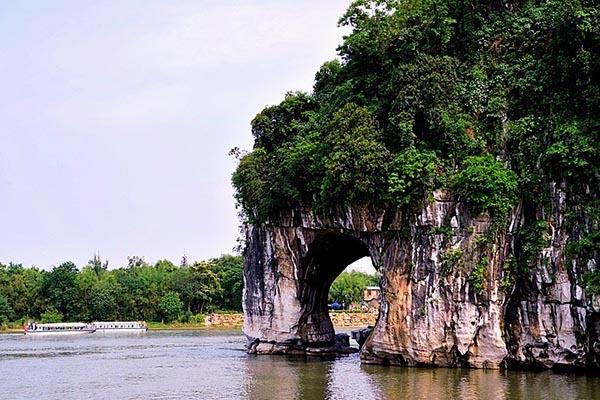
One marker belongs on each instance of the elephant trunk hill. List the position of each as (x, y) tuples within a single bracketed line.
[(447, 299), (456, 143)]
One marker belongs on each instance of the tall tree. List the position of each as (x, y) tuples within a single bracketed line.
[(60, 290)]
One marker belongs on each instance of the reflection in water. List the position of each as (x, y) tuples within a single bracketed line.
[(213, 365), (440, 383), (445, 383), (299, 378)]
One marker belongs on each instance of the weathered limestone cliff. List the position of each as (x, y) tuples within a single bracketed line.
[(449, 296)]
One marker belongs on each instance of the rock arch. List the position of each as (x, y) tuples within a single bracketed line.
[(327, 256), (288, 272), (444, 300)]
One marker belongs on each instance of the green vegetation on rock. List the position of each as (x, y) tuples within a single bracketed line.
[(491, 99), (485, 185), (497, 102)]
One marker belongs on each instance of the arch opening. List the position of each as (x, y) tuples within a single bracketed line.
[(328, 256)]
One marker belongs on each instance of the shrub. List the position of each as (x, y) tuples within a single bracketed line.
[(412, 174), (477, 277), (449, 260), (171, 307), (485, 185), (51, 315), (591, 279), (198, 318), (6, 311)]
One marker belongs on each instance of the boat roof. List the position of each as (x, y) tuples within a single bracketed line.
[(63, 325), (116, 322)]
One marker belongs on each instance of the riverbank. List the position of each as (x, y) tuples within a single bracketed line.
[(340, 319)]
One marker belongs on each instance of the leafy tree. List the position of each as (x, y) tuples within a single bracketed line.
[(171, 307), (229, 270), (51, 315), (60, 289), (356, 164), (97, 265), (198, 286), (135, 262), (22, 287), (348, 287), (6, 311), (484, 184), (103, 301), (497, 101), (129, 293), (412, 175)]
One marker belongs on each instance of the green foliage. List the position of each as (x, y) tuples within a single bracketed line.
[(134, 292), (198, 285), (586, 245), (485, 185), (21, 287), (229, 269), (501, 96), (450, 259), (356, 164), (446, 231), (511, 272), (532, 238), (478, 275), (198, 318), (6, 311), (585, 249), (250, 179), (171, 307), (60, 289), (412, 175), (348, 287), (103, 305), (591, 280), (51, 315), (573, 153), (275, 125)]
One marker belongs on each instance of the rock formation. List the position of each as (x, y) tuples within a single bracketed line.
[(448, 296)]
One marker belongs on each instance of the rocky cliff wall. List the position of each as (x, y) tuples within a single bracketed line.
[(450, 294)]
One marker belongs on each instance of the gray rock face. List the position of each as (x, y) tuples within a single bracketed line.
[(447, 297)]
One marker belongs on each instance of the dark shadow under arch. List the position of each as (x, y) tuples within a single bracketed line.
[(328, 255)]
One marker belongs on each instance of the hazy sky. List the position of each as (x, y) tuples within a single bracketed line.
[(117, 117)]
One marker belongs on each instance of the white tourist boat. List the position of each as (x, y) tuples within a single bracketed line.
[(63, 328), (120, 326)]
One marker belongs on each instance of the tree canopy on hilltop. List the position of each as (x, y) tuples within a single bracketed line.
[(491, 99)]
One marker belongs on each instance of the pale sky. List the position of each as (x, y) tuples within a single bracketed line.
[(117, 117)]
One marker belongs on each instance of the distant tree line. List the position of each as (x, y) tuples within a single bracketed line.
[(348, 287), (161, 291)]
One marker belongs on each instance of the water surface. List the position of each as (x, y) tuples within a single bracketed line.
[(213, 365)]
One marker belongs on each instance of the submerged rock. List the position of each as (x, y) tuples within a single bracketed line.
[(447, 294), (361, 335)]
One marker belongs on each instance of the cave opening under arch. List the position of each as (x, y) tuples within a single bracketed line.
[(328, 256)]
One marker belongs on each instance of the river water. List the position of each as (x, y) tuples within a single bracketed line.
[(214, 365)]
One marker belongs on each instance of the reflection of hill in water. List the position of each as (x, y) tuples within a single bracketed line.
[(214, 365), (280, 377)]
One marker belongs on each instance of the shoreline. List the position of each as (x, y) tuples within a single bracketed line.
[(340, 319), (195, 327)]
